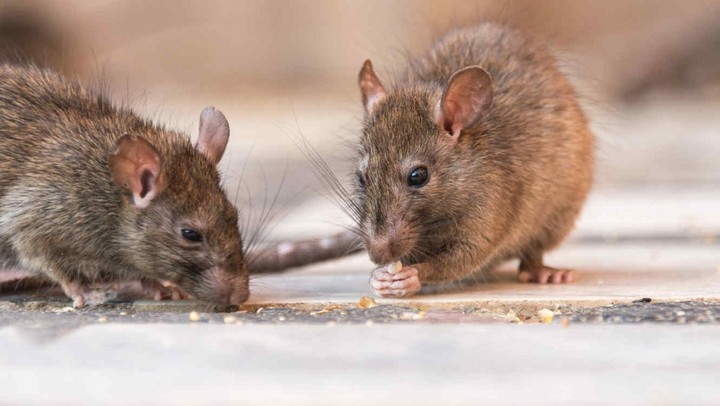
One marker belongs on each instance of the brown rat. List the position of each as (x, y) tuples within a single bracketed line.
[(480, 153), (91, 193)]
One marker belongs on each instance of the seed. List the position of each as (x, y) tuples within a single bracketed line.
[(545, 315), (366, 302), (394, 268)]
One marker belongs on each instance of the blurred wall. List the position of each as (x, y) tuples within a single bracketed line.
[(305, 44), (648, 70)]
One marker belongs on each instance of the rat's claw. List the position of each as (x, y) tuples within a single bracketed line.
[(405, 283), (162, 291), (547, 275), (83, 295), (76, 291), (78, 301)]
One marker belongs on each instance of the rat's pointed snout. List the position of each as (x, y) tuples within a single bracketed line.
[(228, 287), (389, 244), (238, 297), (380, 250)]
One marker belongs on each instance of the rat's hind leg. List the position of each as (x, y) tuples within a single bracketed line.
[(61, 271), (533, 270)]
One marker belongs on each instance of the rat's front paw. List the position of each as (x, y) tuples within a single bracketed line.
[(546, 274), (82, 295), (405, 283), (163, 290)]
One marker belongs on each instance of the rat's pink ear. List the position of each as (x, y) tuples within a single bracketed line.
[(370, 87), (466, 97), (214, 134), (136, 166)]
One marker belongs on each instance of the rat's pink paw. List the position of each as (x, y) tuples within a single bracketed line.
[(546, 275), (82, 295), (163, 290), (405, 283)]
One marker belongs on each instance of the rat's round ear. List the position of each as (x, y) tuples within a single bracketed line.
[(468, 95), (213, 135), (136, 166), (370, 87)]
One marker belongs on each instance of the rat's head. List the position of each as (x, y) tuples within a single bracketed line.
[(412, 173), (178, 225)]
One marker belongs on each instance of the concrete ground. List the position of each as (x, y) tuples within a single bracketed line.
[(641, 325)]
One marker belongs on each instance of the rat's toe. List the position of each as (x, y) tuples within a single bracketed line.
[(397, 288), (546, 275)]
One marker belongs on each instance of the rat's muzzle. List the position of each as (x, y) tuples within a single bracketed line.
[(227, 287), (389, 244)]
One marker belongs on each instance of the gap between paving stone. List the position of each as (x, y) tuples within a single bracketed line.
[(49, 319)]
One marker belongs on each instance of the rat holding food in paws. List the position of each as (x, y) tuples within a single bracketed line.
[(91, 193), (480, 153)]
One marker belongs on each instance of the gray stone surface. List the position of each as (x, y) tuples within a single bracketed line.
[(363, 365), (303, 341)]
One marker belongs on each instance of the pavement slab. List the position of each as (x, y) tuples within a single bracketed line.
[(640, 327), (430, 364)]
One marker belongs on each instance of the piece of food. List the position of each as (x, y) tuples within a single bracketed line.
[(394, 268), (545, 315), (412, 316), (230, 319), (194, 316), (366, 302)]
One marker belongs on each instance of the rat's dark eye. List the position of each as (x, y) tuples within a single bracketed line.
[(418, 177), (191, 235), (360, 180)]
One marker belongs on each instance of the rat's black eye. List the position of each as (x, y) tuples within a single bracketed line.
[(191, 235), (360, 180), (418, 177)]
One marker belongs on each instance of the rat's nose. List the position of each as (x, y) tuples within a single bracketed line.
[(238, 297), (380, 250), (389, 244), (229, 287)]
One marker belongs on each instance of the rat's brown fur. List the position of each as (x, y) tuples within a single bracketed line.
[(62, 216), (510, 186)]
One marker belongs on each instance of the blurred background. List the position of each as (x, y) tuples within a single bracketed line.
[(648, 74)]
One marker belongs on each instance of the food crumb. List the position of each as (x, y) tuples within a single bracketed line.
[(394, 268), (369, 323), (565, 322), (545, 315), (230, 319), (512, 317), (194, 316), (102, 319), (412, 316), (366, 302)]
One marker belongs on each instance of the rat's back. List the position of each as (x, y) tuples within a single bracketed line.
[(511, 58), (39, 109)]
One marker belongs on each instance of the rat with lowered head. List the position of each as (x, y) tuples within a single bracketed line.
[(91, 193), (480, 153)]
